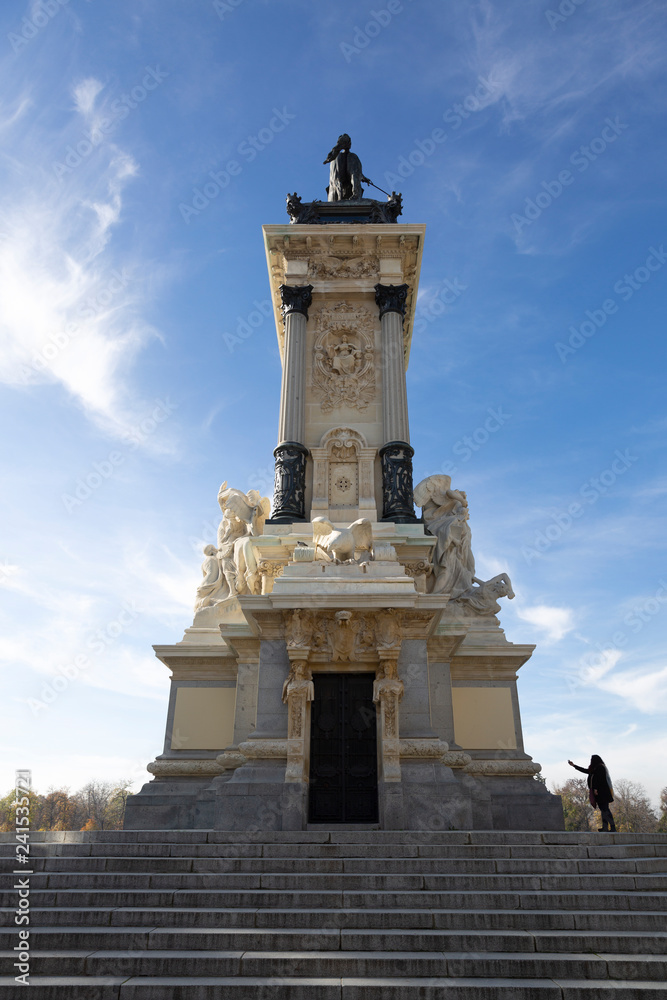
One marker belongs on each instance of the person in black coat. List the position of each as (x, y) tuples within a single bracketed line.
[(600, 791)]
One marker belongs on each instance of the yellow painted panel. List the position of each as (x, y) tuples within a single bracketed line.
[(483, 718), (203, 718)]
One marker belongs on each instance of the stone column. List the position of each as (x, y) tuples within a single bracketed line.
[(289, 501), (396, 453)]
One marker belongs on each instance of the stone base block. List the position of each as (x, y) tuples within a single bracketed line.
[(433, 798), (171, 805), (522, 804)]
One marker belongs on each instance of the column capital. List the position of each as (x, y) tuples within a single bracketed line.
[(296, 299), (391, 298)]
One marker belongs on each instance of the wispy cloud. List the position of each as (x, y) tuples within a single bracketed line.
[(71, 309), (554, 622)]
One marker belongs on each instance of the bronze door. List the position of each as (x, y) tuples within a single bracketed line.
[(343, 750)]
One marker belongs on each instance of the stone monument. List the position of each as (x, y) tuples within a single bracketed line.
[(345, 665)]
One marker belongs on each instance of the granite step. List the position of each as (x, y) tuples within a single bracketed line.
[(320, 899), (652, 922), (394, 964), (352, 988), (289, 850), (107, 881), (348, 914), (376, 865), (352, 939)]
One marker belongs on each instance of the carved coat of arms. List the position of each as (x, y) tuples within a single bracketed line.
[(343, 362)]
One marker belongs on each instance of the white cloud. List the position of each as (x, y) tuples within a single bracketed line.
[(85, 93), (71, 303), (556, 622), (645, 689)]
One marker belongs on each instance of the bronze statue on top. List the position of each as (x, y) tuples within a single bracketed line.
[(346, 202), (345, 174)]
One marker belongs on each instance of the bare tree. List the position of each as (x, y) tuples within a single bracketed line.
[(576, 806), (103, 804), (632, 808), (662, 822)]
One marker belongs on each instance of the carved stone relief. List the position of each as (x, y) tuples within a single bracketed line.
[(343, 267), (343, 357), (343, 472)]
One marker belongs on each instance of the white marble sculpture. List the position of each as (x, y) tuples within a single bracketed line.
[(340, 544), (231, 568), (483, 599), (446, 516)]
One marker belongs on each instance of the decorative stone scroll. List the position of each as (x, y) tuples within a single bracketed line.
[(419, 570), (270, 570), (344, 357)]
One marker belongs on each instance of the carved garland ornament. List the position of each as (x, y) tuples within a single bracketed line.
[(343, 358)]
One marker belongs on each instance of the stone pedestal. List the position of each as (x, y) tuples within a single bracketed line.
[(280, 606)]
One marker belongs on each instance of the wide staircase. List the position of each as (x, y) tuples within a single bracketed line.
[(340, 915)]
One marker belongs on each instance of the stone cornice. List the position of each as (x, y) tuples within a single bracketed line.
[(192, 662), (292, 250), (441, 648), (489, 662)]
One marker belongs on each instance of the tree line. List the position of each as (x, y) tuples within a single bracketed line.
[(631, 808), (100, 805)]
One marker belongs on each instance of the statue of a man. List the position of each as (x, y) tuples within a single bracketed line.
[(345, 174)]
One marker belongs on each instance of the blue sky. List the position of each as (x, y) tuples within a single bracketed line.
[(527, 136)]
